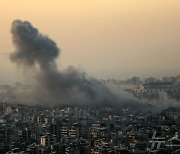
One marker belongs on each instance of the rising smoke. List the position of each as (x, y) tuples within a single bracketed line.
[(36, 53)]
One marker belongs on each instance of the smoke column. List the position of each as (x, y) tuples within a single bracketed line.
[(36, 53)]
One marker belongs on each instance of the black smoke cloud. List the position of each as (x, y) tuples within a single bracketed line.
[(36, 53)]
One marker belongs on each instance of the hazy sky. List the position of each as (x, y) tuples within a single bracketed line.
[(107, 38)]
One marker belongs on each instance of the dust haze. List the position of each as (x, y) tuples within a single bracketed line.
[(35, 55)]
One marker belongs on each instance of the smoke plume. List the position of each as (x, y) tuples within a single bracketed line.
[(36, 53)]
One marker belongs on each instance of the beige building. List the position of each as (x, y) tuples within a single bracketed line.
[(48, 139)]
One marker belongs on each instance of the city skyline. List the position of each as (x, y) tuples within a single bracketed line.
[(89, 76)]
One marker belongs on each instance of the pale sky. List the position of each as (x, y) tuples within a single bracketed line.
[(106, 38)]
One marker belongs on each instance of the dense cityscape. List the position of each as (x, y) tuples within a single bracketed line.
[(82, 129), (89, 77)]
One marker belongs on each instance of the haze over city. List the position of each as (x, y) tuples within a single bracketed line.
[(89, 76), (106, 39)]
